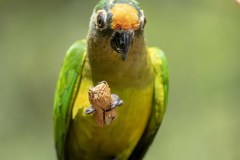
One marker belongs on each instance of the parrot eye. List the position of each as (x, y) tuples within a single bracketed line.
[(101, 19), (143, 21)]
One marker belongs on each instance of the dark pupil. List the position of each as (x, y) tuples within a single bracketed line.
[(100, 20), (145, 21)]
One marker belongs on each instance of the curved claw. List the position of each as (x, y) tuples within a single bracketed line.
[(116, 101), (90, 110)]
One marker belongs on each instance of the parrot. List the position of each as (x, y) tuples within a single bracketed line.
[(114, 51)]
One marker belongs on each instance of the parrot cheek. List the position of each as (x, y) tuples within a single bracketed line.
[(121, 42)]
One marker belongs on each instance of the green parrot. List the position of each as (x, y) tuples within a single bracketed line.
[(115, 51)]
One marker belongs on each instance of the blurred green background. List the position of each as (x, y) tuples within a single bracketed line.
[(201, 39)]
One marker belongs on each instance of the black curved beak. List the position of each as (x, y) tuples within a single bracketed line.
[(121, 42)]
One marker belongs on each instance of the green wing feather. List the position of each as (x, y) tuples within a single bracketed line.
[(160, 98), (67, 86)]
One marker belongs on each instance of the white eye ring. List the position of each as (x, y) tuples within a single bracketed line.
[(143, 20), (101, 19)]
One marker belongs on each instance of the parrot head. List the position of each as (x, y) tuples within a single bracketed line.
[(120, 21)]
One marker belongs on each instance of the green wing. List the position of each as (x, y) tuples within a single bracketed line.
[(160, 98), (67, 86)]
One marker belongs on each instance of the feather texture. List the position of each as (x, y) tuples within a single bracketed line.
[(67, 86)]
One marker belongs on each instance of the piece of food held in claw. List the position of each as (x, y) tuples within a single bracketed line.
[(103, 104)]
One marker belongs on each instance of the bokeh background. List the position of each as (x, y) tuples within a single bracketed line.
[(201, 39)]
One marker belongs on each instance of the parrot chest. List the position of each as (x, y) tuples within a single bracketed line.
[(86, 140)]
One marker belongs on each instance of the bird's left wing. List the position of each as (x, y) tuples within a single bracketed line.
[(160, 98), (67, 87)]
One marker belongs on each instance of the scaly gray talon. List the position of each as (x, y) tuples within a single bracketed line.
[(90, 110), (116, 101)]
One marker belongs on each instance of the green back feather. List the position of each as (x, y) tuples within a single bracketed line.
[(68, 83), (104, 4), (160, 98)]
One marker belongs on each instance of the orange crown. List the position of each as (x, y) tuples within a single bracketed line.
[(124, 16)]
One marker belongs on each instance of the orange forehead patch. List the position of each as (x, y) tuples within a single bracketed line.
[(124, 16)]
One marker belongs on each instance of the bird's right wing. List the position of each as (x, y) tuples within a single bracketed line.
[(66, 91)]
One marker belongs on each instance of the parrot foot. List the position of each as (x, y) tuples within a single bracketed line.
[(103, 104), (90, 110), (116, 102)]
